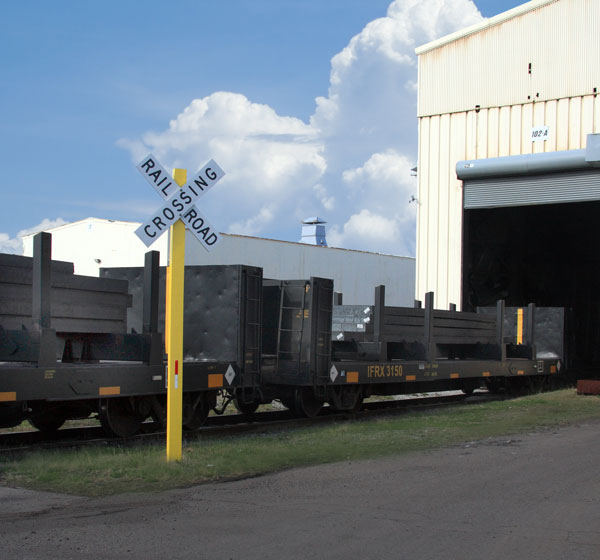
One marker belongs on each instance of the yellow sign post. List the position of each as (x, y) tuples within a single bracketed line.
[(174, 331)]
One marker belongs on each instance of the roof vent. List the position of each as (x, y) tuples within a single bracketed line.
[(313, 232)]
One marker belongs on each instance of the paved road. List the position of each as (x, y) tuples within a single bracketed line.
[(535, 496)]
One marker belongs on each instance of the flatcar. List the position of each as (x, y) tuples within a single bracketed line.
[(71, 346)]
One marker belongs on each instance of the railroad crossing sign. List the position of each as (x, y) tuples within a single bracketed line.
[(179, 202), (178, 212)]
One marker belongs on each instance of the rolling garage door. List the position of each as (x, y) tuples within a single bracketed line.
[(522, 190), (532, 179)]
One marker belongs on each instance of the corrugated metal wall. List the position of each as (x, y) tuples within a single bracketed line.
[(491, 68), (562, 40), (355, 273)]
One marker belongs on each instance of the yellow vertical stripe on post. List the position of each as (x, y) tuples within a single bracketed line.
[(519, 326), (167, 304), (174, 320)]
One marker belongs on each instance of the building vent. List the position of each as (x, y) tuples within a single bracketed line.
[(313, 232)]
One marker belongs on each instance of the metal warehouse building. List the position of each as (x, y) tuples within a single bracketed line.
[(96, 243), (509, 163)]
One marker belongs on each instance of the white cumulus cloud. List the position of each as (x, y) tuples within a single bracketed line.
[(270, 161), (366, 227), (383, 188), (254, 224), (14, 245), (350, 164)]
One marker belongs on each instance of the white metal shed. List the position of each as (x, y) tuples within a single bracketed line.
[(483, 93)]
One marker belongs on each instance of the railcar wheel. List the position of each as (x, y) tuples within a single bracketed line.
[(119, 417), (306, 403), (158, 411), (10, 414), (245, 401), (538, 384), (48, 421), (245, 408), (289, 403), (518, 386), (196, 408), (358, 404), (195, 411), (346, 398), (496, 385)]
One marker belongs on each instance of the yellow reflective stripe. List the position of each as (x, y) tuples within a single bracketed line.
[(8, 396), (109, 391), (454, 376), (352, 377), (411, 377), (519, 326), (486, 374), (215, 380)]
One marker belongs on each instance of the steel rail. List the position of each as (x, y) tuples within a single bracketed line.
[(230, 425)]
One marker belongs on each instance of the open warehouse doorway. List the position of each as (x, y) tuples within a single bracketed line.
[(531, 234)]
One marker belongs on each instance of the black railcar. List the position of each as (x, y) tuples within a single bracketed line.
[(66, 351), (72, 345), (392, 350)]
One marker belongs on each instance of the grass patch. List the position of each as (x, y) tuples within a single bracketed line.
[(95, 472)]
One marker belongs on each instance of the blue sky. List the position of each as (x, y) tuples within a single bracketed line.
[(87, 87)]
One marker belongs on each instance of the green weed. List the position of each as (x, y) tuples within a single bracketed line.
[(94, 471)]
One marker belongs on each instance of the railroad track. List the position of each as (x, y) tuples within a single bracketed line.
[(228, 425)]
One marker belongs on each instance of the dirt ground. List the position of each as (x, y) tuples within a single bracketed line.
[(532, 496)]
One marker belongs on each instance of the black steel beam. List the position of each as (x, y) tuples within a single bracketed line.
[(42, 256), (500, 309), (530, 330), (530, 326), (378, 327), (150, 303), (153, 344), (428, 326), (40, 299)]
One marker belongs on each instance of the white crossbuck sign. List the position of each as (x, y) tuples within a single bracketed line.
[(179, 202)]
